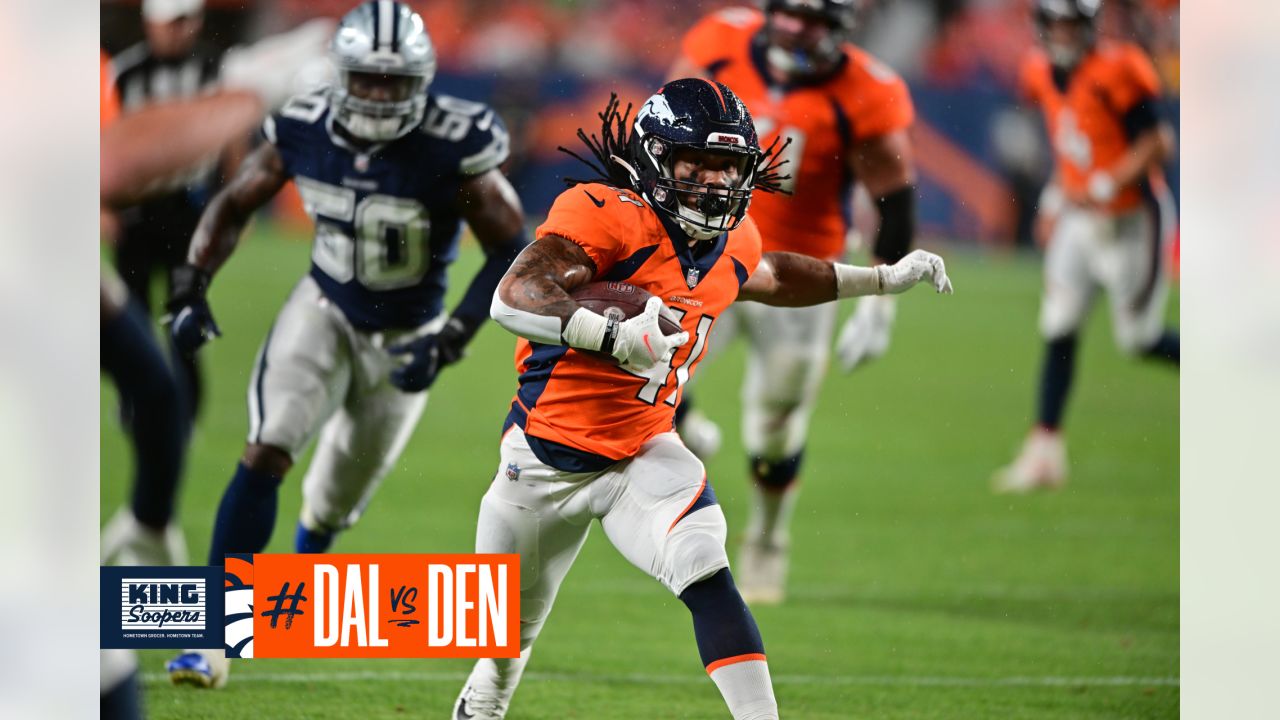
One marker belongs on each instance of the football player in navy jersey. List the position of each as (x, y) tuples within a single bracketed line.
[(388, 172)]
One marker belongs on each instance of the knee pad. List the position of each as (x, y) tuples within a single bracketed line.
[(694, 549), (776, 474)]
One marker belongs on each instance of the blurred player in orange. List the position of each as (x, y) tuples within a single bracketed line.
[(1108, 212), (139, 152), (847, 117), (590, 438)]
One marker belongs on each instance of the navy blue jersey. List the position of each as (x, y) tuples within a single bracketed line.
[(386, 224)]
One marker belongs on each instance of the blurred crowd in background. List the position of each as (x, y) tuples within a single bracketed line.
[(549, 65)]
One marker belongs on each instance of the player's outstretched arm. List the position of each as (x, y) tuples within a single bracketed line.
[(143, 149), (533, 302), (794, 280), (260, 177)]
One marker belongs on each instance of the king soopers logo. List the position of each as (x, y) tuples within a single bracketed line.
[(155, 604)]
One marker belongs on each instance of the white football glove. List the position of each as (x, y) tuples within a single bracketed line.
[(640, 344), (916, 267), (276, 67), (865, 335)]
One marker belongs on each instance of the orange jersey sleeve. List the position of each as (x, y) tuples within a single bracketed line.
[(710, 41), (1135, 80), (108, 100), (1031, 77), (876, 99), (594, 217)]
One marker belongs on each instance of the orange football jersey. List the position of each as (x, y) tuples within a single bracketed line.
[(862, 100), (592, 405), (1086, 120)]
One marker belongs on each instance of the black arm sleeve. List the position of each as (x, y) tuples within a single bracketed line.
[(897, 224), (1144, 115)]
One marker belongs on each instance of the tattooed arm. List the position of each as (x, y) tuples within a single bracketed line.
[(533, 302)]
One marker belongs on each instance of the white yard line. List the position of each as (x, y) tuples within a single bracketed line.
[(697, 678)]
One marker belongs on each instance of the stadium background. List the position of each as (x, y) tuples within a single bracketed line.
[(916, 592)]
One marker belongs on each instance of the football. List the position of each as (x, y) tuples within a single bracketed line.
[(621, 301)]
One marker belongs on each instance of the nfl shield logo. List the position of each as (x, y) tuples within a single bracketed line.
[(691, 277), (513, 472), (362, 163)]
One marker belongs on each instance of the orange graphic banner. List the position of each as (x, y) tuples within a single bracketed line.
[(373, 606)]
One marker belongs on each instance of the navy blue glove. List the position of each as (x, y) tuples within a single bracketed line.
[(191, 322), (424, 357)]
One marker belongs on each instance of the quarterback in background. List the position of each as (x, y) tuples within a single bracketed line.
[(388, 172), (589, 433), (847, 118), (1108, 207)]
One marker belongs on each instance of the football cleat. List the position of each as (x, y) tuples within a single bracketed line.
[(1041, 465), (471, 706), (125, 541), (199, 668), (700, 434), (761, 572)]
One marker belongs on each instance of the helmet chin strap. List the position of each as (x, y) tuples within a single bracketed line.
[(1065, 57), (695, 231)]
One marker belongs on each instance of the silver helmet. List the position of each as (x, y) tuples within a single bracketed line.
[(385, 60)]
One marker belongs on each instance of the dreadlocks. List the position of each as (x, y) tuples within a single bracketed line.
[(768, 178), (609, 150)]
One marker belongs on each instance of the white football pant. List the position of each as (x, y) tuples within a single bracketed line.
[(788, 350), (316, 374), (544, 515), (1122, 254)]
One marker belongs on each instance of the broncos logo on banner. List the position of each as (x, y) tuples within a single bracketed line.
[(238, 619)]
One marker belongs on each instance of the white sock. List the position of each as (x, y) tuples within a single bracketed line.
[(771, 513), (746, 689)]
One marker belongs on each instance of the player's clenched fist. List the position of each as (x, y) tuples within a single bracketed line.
[(916, 267), (190, 320), (638, 343)]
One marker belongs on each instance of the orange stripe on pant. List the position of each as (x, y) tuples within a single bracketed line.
[(734, 660)]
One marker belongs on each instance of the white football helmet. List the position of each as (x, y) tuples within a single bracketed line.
[(385, 61)]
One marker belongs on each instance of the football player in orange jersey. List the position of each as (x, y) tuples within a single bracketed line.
[(589, 438), (847, 117), (1110, 212)]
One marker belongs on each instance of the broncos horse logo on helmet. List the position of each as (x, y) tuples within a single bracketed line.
[(385, 61), (691, 114)]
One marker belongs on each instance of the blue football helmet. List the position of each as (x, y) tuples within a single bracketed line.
[(701, 115)]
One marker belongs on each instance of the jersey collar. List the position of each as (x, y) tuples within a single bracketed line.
[(695, 266)]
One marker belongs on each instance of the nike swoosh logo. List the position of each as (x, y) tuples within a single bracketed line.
[(599, 203), (645, 338)]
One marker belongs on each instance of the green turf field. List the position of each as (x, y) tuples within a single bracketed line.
[(916, 593)]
